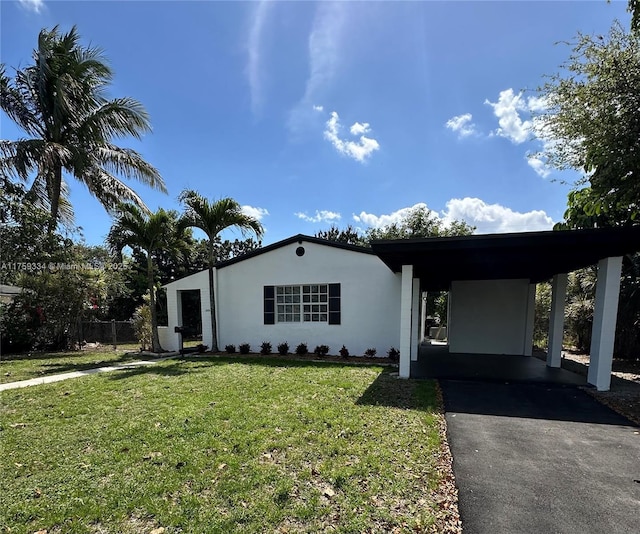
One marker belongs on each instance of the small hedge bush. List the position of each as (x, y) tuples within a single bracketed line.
[(245, 348), (230, 349), (370, 353), (321, 350), (393, 354), (344, 352), (283, 349), (265, 348), (302, 349)]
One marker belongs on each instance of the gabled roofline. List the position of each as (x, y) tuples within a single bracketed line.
[(300, 238)]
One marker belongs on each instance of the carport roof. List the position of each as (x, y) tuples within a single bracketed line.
[(533, 255)]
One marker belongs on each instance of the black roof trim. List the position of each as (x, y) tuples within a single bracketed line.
[(533, 255), (299, 238)]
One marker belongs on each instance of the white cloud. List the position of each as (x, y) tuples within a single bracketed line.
[(487, 218), (462, 125), (378, 221), (494, 218), (507, 109), (256, 213), (320, 216), (538, 165), (254, 49), (318, 108), (358, 150), (325, 51), (32, 5)]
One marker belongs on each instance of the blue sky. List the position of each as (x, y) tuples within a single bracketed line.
[(310, 114)]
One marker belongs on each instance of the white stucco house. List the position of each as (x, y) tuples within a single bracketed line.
[(300, 290), (308, 290)]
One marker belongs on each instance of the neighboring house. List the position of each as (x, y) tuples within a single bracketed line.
[(299, 290), (308, 290)]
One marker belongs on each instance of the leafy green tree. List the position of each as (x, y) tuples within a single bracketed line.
[(592, 120), (148, 234), (349, 235), (419, 222), (59, 102), (212, 218)]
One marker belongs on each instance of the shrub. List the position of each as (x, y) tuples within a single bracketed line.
[(302, 349), (321, 350), (230, 349), (283, 348), (370, 353), (393, 354), (265, 348), (142, 325), (344, 352), (245, 348)]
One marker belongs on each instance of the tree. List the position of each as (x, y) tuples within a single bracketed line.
[(349, 235), (592, 120), (60, 102), (212, 218), (148, 234), (419, 222)]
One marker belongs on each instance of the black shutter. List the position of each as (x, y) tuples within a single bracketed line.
[(334, 303), (269, 305)]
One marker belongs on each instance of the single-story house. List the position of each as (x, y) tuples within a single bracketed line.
[(309, 290)]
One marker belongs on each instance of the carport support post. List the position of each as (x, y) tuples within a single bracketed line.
[(556, 321), (604, 323), (406, 305), (415, 319)]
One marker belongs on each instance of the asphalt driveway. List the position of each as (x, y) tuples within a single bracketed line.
[(538, 458)]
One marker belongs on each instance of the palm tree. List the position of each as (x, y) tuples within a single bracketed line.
[(60, 103), (212, 218), (148, 234)]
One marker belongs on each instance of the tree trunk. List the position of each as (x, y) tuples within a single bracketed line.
[(155, 339), (212, 305), (54, 189)]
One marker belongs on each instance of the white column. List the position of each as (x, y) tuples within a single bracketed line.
[(556, 319), (604, 323), (415, 318), (423, 315), (528, 327), (406, 303)]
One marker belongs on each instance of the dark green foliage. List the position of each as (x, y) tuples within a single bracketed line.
[(393, 354), (321, 350), (283, 348), (541, 316), (244, 348), (344, 352), (302, 349), (349, 235), (265, 348), (370, 353), (230, 349)]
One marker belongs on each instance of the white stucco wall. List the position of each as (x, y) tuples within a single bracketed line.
[(489, 316), (169, 339), (370, 299)]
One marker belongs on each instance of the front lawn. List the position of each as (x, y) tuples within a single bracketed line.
[(217, 445)]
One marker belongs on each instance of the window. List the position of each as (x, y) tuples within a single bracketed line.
[(308, 303)]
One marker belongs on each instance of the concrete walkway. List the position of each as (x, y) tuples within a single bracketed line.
[(76, 374), (540, 458)]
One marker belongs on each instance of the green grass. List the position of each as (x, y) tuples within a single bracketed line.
[(14, 367), (217, 445)]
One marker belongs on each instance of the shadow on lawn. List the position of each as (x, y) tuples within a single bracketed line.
[(176, 368), (275, 360), (68, 367), (387, 390)]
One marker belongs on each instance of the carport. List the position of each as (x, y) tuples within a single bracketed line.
[(491, 281)]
